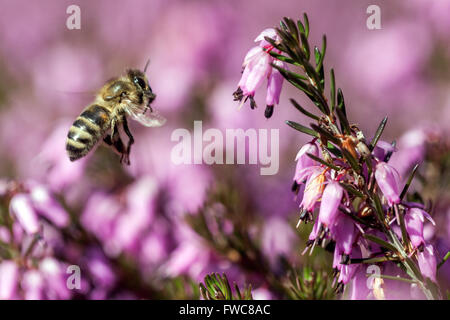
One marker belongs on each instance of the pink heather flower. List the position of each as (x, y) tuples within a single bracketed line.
[(8, 279), (331, 198), (23, 210), (274, 86), (414, 219), (304, 161), (388, 180), (359, 288), (427, 262), (33, 285), (48, 207), (54, 275), (257, 67), (313, 189), (348, 270), (344, 233), (277, 239), (411, 150)]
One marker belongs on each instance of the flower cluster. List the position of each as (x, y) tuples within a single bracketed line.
[(348, 188), (333, 192), (256, 67), (30, 234)]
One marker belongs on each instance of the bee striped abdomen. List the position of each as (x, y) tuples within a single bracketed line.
[(87, 129)]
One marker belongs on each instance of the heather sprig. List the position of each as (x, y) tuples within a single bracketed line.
[(363, 210), (217, 287)]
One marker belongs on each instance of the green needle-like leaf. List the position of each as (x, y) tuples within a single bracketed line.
[(379, 241), (329, 165), (408, 183), (378, 134), (332, 91), (327, 135), (302, 110), (302, 128)]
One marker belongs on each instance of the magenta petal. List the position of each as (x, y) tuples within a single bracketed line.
[(344, 233), (274, 85), (388, 180), (259, 67), (304, 161), (313, 189), (427, 262), (331, 198), (414, 226)]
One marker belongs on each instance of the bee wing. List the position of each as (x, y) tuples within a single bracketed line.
[(145, 117)]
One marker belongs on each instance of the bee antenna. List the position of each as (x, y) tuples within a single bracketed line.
[(146, 65)]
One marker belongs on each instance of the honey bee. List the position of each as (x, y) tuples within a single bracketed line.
[(127, 95)]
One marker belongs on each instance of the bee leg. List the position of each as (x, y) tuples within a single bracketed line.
[(120, 147), (117, 143), (130, 136), (108, 140)]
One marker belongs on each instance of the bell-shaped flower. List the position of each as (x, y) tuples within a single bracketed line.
[(313, 189), (257, 66), (274, 86), (414, 219), (304, 161), (427, 262), (344, 233), (329, 206), (349, 270), (388, 180)]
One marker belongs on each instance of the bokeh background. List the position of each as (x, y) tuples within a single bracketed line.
[(144, 231)]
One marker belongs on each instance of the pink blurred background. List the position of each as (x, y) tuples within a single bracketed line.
[(49, 74)]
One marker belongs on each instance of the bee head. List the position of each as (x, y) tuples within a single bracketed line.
[(140, 81)]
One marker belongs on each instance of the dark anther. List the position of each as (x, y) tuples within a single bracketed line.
[(252, 102), (345, 259), (295, 187), (238, 94), (269, 112)]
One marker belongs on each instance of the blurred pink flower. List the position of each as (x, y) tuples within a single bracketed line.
[(8, 279), (22, 209), (33, 285), (278, 239)]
